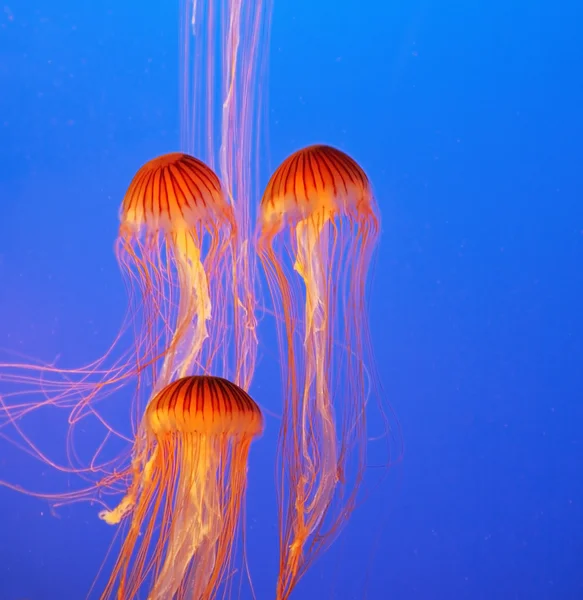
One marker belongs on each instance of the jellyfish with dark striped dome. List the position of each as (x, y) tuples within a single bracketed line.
[(175, 239), (184, 503), (318, 226)]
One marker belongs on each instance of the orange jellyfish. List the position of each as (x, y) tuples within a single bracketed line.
[(189, 476), (318, 218), (176, 234), (174, 248)]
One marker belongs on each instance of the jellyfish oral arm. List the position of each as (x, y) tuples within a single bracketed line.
[(195, 280), (196, 520), (140, 477), (318, 453), (194, 310)]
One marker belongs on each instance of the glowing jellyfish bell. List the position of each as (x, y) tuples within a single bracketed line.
[(318, 226), (188, 488)]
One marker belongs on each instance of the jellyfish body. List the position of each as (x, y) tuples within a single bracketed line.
[(189, 480), (318, 226), (176, 236)]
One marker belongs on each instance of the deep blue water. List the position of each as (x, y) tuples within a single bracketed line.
[(467, 118)]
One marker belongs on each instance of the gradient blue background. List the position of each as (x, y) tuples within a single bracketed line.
[(467, 117)]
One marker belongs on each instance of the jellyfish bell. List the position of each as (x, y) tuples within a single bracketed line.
[(317, 231), (189, 480), (173, 191), (316, 184)]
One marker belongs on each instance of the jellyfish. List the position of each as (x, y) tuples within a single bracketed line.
[(176, 235), (175, 250), (189, 475), (318, 227)]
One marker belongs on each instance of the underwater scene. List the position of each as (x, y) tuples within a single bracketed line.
[(290, 300)]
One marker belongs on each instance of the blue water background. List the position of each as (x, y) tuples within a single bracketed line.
[(467, 117)]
